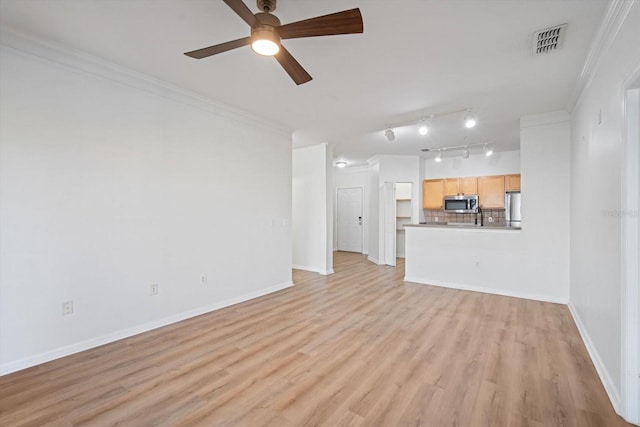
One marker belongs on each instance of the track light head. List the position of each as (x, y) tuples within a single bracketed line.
[(465, 153), (389, 134), (438, 158), (488, 150), (470, 120)]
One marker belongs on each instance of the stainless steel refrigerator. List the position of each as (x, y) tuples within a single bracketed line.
[(512, 204)]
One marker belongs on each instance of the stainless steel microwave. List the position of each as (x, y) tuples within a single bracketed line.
[(461, 204)]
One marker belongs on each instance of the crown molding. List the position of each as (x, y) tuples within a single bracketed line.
[(614, 18), (80, 61)]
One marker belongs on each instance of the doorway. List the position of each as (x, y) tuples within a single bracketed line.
[(397, 212), (349, 213)]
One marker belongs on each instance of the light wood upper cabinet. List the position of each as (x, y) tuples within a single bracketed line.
[(456, 186), (512, 182), (469, 185), (491, 191), (451, 186), (432, 193)]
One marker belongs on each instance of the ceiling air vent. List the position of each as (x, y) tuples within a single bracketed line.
[(544, 41)]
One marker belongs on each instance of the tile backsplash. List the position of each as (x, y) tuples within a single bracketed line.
[(439, 215)]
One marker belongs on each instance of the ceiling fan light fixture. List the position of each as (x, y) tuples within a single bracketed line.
[(264, 41)]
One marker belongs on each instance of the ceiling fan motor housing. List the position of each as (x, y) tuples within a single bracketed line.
[(266, 5), (268, 29)]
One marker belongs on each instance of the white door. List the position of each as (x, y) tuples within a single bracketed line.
[(350, 219), (389, 203)]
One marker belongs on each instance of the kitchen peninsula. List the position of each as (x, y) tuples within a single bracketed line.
[(486, 259), (481, 253)]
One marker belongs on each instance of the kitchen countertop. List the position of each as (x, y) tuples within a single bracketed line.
[(461, 226)]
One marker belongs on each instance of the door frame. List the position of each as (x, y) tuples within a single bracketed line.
[(362, 248), (630, 250)]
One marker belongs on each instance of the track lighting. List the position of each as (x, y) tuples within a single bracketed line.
[(424, 121), (389, 134), (487, 147), (341, 164), (469, 120)]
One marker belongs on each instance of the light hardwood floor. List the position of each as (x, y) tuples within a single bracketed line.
[(359, 347)]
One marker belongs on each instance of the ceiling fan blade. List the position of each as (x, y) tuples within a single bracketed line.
[(243, 12), (292, 67), (346, 22), (219, 48)]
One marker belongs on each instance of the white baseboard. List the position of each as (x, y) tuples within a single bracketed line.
[(312, 269), (605, 378), (373, 260), (27, 362), (494, 291)]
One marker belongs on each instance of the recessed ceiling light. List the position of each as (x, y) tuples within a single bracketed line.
[(341, 164), (423, 130)]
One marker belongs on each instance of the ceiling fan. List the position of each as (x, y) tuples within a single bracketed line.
[(267, 32)]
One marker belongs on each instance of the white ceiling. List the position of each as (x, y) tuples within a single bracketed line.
[(416, 57)]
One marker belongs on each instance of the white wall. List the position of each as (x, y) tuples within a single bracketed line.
[(354, 178), (312, 210), (597, 159), (531, 263), (500, 163), (375, 248), (110, 182)]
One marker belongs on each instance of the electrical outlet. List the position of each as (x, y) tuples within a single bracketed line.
[(490, 219), (154, 289), (67, 308), (436, 219), (203, 279), (477, 264)]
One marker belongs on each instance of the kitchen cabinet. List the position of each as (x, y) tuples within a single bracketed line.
[(458, 186), (512, 182), (491, 191), (469, 185), (451, 187), (432, 193)]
